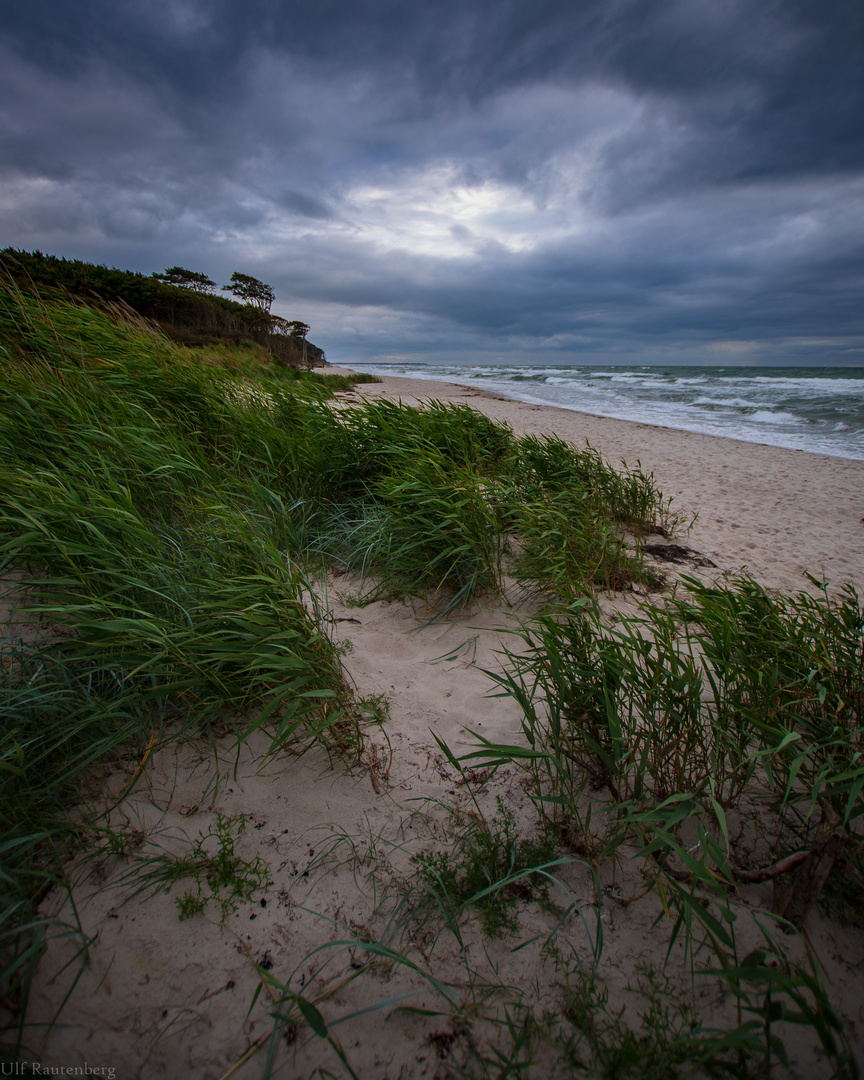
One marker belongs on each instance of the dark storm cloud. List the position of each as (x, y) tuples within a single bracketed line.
[(601, 178)]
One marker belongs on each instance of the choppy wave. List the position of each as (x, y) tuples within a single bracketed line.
[(820, 410)]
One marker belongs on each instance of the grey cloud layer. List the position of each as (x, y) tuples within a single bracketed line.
[(602, 179)]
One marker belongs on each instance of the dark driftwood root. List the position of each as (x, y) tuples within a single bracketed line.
[(792, 900), (770, 873), (677, 553), (794, 897)]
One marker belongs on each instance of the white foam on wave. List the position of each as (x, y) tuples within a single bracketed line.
[(768, 416), (732, 403)]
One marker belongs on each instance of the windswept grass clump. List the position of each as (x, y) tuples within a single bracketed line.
[(140, 532), (443, 502), (699, 696), (324, 379), (388, 432), (567, 545), (570, 512), (547, 465), (441, 532), (404, 496)]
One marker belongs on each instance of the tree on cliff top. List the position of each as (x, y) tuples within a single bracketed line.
[(251, 290), (298, 330), (186, 279)]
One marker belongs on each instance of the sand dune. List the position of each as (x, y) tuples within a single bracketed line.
[(161, 997)]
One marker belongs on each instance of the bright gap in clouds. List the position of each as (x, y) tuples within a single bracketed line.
[(509, 192), (434, 212)]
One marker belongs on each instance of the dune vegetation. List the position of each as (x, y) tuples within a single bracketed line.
[(170, 515)]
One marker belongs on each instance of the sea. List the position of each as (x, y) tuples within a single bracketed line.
[(820, 410)]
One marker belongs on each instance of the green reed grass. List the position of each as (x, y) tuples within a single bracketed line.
[(641, 736), (491, 868), (140, 534), (430, 499), (788, 673), (567, 547), (695, 697), (540, 465)]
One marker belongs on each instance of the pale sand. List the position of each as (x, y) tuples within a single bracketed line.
[(168, 998)]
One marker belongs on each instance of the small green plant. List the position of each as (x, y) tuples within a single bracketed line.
[(490, 869), (190, 904), (374, 708), (604, 1043), (218, 872)]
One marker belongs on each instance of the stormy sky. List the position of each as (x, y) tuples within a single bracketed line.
[(567, 181)]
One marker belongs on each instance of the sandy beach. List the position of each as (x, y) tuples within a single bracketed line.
[(161, 997)]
